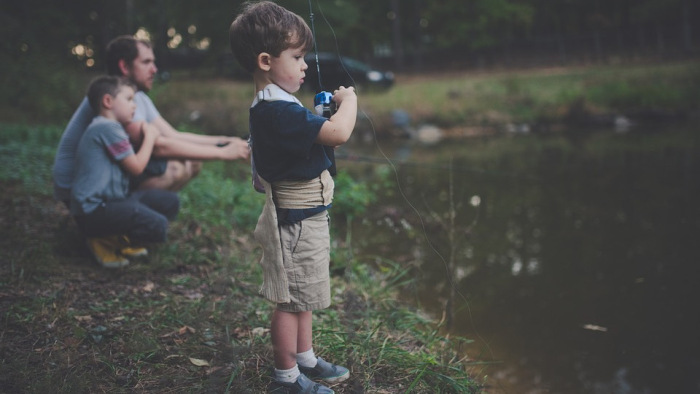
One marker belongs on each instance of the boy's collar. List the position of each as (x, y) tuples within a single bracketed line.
[(273, 92)]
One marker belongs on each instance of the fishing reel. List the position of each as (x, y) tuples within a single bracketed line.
[(324, 105)]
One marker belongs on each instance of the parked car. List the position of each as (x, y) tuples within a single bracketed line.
[(344, 71)]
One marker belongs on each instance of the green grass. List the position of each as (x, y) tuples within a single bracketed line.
[(190, 320)]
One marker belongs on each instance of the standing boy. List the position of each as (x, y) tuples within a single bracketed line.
[(289, 155), (101, 200)]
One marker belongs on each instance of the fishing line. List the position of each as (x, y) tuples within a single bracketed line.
[(398, 183), (313, 33)]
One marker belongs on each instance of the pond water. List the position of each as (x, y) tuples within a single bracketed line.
[(572, 258)]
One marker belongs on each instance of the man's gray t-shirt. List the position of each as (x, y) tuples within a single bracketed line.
[(64, 163), (99, 176)]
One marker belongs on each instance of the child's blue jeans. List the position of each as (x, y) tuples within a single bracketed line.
[(143, 217)]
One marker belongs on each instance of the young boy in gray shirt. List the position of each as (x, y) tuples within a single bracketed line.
[(101, 200)]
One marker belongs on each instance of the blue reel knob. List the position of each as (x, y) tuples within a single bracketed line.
[(323, 104)]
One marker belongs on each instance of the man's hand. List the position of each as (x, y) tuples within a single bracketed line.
[(236, 148), (225, 140)]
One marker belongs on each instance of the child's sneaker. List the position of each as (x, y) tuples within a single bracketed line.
[(131, 251), (134, 252), (105, 252), (326, 371), (301, 386)]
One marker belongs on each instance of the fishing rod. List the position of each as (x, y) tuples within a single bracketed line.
[(322, 100), (313, 34), (323, 103)]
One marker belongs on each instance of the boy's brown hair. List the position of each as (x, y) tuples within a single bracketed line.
[(107, 84), (266, 27)]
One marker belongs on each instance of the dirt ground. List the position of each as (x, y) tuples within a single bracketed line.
[(189, 320), (70, 326)]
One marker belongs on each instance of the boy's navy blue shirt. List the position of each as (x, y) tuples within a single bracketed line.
[(284, 147)]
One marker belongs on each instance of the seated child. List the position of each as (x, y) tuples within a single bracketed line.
[(289, 153), (102, 203)]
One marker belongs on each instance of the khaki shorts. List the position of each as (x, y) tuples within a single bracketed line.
[(306, 252)]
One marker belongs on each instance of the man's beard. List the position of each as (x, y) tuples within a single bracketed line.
[(142, 87)]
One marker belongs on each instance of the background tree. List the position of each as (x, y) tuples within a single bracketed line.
[(49, 45)]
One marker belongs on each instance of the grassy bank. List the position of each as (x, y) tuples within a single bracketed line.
[(470, 102), (190, 318)]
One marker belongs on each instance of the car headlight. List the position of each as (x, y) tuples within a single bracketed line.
[(374, 76)]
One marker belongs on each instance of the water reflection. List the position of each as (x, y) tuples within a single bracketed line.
[(575, 272)]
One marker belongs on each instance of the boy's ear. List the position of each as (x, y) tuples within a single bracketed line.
[(123, 67), (106, 101), (264, 61)]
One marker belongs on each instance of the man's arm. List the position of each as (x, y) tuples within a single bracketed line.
[(177, 148), (167, 130), (180, 148)]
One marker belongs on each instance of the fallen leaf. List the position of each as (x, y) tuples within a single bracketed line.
[(185, 329), (180, 331), (83, 318), (260, 331), (149, 287), (199, 362), (594, 327)]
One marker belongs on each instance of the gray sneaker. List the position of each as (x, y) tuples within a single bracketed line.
[(302, 386), (326, 371)]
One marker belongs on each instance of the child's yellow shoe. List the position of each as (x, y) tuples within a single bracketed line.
[(106, 253), (131, 251), (134, 252)]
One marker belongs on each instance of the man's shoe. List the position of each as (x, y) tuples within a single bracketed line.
[(131, 251), (302, 386), (106, 250), (326, 371)]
